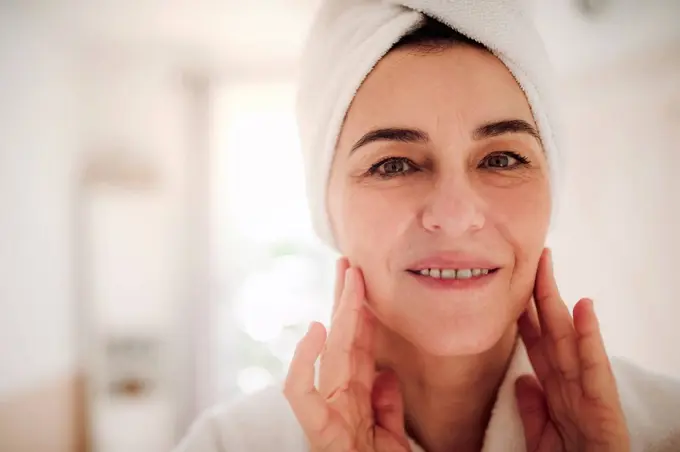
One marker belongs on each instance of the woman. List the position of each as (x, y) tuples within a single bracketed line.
[(431, 167)]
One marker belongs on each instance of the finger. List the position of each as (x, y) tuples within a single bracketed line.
[(556, 323), (363, 353), (388, 405), (310, 409), (597, 378), (337, 359), (530, 332), (533, 410), (545, 285), (341, 266)]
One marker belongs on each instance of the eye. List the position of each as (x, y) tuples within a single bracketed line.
[(503, 160), (392, 166)]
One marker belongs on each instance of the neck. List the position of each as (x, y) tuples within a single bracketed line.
[(447, 400)]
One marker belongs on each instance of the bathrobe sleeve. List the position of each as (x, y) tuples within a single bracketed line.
[(262, 422)]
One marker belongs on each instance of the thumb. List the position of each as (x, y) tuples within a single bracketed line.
[(533, 409), (388, 405)]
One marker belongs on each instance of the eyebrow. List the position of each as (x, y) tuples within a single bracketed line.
[(392, 134), (497, 128), (404, 135)]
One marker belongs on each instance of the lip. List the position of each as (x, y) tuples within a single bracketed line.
[(454, 261)]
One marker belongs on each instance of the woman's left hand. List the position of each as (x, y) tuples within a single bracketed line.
[(573, 405)]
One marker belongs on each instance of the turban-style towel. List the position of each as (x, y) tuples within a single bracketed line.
[(349, 37)]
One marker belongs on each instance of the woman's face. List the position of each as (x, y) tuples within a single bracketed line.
[(438, 169)]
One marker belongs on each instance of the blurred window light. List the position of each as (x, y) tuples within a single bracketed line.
[(273, 275), (252, 379)]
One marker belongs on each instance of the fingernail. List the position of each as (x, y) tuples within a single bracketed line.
[(309, 328)]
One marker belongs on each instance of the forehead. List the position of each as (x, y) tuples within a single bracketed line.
[(459, 86)]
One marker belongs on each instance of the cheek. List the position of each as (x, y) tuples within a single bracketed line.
[(521, 212), (371, 222), (522, 217)]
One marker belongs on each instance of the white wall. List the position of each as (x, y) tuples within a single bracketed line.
[(138, 263), (62, 103), (616, 240), (38, 140), (620, 29)]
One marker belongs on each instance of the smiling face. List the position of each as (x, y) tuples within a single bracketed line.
[(438, 168)]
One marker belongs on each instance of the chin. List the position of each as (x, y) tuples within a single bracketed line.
[(452, 333), (473, 339), (448, 321)]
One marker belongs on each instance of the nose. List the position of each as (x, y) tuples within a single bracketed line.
[(454, 207)]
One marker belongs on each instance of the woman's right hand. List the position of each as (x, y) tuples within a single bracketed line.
[(353, 409)]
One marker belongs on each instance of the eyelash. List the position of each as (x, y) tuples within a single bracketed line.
[(375, 168), (521, 159)]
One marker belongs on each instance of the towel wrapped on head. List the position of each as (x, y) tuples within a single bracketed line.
[(349, 37)]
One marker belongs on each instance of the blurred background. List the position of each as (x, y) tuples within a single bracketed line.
[(156, 256)]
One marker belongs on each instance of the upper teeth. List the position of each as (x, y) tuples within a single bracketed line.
[(463, 273)]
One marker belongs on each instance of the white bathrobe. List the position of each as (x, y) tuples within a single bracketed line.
[(264, 422)]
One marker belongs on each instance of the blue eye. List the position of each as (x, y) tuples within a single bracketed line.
[(392, 166), (503, 160)]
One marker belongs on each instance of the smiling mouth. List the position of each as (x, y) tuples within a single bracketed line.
[(454, 274)]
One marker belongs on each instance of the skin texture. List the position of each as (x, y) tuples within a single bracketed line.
[(385, 225), (466, 181)]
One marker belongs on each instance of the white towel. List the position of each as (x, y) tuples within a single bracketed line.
[(348, 38)]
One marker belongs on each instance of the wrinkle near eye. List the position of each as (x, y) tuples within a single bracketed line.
[(510, 178)]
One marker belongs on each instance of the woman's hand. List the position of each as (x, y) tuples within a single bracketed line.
[(574, 405), (353, 409)]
